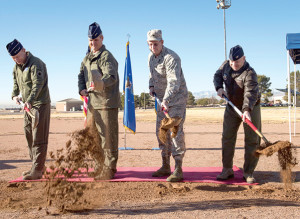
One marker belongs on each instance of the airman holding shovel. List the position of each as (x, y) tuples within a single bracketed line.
[(168, 84), (241, 84), (100, 69), (31, 81)]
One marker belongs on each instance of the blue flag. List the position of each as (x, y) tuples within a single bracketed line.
[(129, 108)]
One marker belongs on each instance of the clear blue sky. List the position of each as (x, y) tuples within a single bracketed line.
[(56, 32)]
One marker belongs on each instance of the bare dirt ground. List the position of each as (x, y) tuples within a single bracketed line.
[(203, 130)]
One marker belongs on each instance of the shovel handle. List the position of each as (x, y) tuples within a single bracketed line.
[(247, 120), (27, 110), (162, 108)]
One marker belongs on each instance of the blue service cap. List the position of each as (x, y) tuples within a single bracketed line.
[(14, 47), (94, 30), (236, 53)]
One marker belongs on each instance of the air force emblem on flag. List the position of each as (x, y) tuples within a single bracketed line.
[(128, 84)]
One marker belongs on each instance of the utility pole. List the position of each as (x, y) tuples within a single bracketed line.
[(144, 100), (224, 4)]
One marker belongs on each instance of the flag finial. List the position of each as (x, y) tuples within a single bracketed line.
[(128, 36)]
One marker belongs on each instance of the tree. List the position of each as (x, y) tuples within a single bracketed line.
[(207, 101), (122, 96), (191, 99), (145, 100), (264, 87), (222, 101), (203, 101), (136, 101), (213, 100), (292, 86)]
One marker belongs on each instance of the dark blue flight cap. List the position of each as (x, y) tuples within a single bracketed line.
[(94, 30), (236, 53), (14, 47)]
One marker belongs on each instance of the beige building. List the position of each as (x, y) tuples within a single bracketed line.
[(69, 104)]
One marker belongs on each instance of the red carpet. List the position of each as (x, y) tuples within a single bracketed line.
[(143, 174)]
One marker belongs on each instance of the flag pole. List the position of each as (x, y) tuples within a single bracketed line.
[(129, 121), (125, 138), (128, 36)]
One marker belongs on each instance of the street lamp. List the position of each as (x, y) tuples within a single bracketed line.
[(224, 4)]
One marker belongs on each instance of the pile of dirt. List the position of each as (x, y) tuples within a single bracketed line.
[(166, 189), (78, 157), (286, 159)]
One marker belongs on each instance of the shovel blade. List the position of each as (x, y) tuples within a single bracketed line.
[(270, 148), (166, 125)]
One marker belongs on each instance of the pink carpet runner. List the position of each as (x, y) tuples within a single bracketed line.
[(143, 174)]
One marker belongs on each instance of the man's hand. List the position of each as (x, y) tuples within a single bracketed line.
[(84, 92), (90, 89), (151, 91), (17, 99), (28, 105), (164, 106), (220, 92), (246, 114)]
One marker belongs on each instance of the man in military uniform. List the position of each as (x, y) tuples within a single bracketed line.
[(31, 80), (241, 84), (168, 83), (100, 68)]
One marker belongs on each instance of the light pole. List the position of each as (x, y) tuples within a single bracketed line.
[(224, 4)]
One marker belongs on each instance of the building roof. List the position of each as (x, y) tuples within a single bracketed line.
[(70, 100)]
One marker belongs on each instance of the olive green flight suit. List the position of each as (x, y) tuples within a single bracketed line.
[(103, 105), (31, 80)]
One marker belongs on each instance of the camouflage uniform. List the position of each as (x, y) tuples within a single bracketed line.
[(103, 104), (31, 80), (167, 78)]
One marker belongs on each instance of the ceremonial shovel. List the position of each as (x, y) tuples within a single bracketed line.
[(167, 123), (34, 117), (266, 148)]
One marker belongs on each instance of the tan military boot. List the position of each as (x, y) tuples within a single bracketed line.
[(106, 174), (177, 175), (29, 171), (26, 173), (33, 175), (165, 170)]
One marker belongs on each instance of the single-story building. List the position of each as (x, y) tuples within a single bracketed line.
[(69, 104)]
